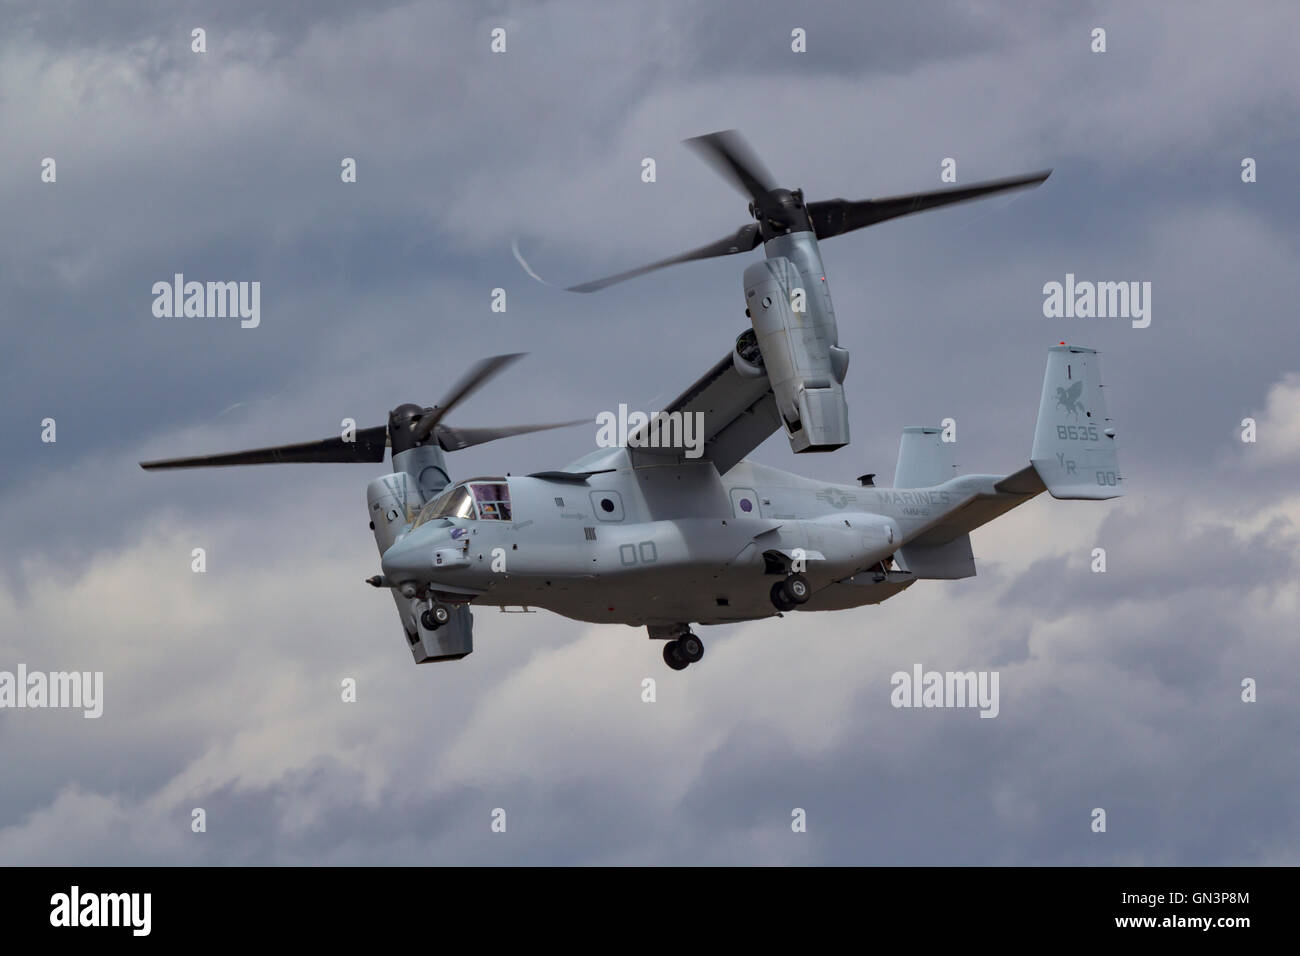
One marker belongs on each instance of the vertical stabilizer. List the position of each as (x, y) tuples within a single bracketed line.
[(1074, 441), (924, 458)]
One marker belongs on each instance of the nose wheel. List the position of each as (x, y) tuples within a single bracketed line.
[(435, 616), (687, 649), (791, 592)]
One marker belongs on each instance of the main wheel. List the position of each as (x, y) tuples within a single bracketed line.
[(673, 656), (779, 599), (797, 589), (690, 647)]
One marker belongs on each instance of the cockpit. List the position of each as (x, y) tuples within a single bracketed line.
[(486, 499)]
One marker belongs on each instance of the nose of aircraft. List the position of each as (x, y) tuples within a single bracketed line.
[(411, 559)]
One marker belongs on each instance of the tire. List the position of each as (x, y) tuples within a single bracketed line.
[(673, 657), (441, 614), (690, 647), (779, 599), (796, 589)]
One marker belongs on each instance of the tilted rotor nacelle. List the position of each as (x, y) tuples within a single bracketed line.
[(786, 296), (798, 342)]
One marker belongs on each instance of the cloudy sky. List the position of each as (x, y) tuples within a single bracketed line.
[(222, 690)]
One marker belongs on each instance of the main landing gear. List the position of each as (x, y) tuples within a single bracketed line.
[(687, 649), (791, 592)]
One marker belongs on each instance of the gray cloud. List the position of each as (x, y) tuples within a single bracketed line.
[(1119, 690)]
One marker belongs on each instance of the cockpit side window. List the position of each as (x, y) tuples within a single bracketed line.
[(492, 500)]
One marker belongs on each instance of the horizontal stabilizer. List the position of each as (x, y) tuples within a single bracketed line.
[(1024, 482)]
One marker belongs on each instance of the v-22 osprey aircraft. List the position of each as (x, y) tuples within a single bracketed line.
[(648, 536)]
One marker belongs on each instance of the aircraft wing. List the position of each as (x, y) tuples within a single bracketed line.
[(739, 415)]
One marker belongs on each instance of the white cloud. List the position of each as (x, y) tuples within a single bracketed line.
[(1278, 425)]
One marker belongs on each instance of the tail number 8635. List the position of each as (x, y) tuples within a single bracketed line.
[(1077, 432)]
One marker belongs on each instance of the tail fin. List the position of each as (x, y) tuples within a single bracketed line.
[(924, 458), (1074, 442)]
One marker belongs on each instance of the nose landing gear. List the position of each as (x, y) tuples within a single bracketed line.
[(435, 616), (684, 650)]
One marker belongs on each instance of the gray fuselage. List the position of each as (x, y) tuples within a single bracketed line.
[(662, 544)]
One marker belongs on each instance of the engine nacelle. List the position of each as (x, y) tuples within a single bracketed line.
[(393, 502), (794, 325)]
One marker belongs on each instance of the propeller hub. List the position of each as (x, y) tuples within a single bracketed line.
[(401, 420), (780, 211)]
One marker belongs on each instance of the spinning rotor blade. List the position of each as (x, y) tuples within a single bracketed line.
[(454, 439), (477, 376), (729, 153), (779, 212), (742, 240), (834, 217), (370, 446), (372, 443)]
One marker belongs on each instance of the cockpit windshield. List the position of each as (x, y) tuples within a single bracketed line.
[(479, 498)]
